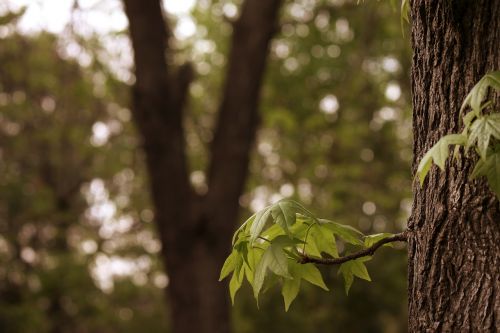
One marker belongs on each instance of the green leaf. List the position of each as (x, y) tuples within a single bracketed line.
[(359, 269), (481, 131), (324, 240), (468, 118), (372, 239), (491, 169), (311, 274), (258, 280), (346, 232), (283, 241), (284, 214), (273, 259), (290, 291), (308, 272), (480, 169), (235, 283), (242, 249), (302, 230), (238, 231), (441, 149), (254, 256), (353, 268), (348, 277), (272, 232), (248, 274), (405, 13), (291, 287), (229, 265), (310, 248), (424, 166), (260, 221), (478, 93), (438, 154)]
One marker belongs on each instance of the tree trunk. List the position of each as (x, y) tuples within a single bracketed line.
[(454, 250), (195, 230)]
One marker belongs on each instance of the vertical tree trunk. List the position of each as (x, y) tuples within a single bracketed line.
[(454, 250), (195, 230)]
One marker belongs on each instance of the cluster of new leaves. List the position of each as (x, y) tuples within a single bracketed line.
[(278, 238), (481, 132)]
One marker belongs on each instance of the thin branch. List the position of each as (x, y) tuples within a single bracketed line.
[(401, 237), (158, 118)]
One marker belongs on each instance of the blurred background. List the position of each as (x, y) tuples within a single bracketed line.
[(78, 249)]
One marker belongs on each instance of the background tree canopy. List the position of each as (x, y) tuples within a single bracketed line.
[(78, 249)]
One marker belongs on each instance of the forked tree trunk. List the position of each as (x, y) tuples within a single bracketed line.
[(454, 251), (195, 230)]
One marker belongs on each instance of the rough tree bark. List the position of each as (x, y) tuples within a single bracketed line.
[(195, 230), (454, 251)]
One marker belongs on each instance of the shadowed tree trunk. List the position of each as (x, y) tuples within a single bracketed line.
[(454, 251), (195, 230)]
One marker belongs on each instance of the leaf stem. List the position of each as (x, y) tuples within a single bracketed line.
[(305, 238)]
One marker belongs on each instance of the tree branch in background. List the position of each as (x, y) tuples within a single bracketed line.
[(238, 112), (194, 229), (157, 115)]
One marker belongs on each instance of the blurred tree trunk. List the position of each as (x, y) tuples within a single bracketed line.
[(454, 253), (195, 230)]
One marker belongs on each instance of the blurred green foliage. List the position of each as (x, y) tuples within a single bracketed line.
[(335, 135), (64, 132)]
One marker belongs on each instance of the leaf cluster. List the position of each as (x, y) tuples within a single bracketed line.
[(277, 238), (481, 133)]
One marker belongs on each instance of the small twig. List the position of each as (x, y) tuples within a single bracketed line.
[(401, 237)]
